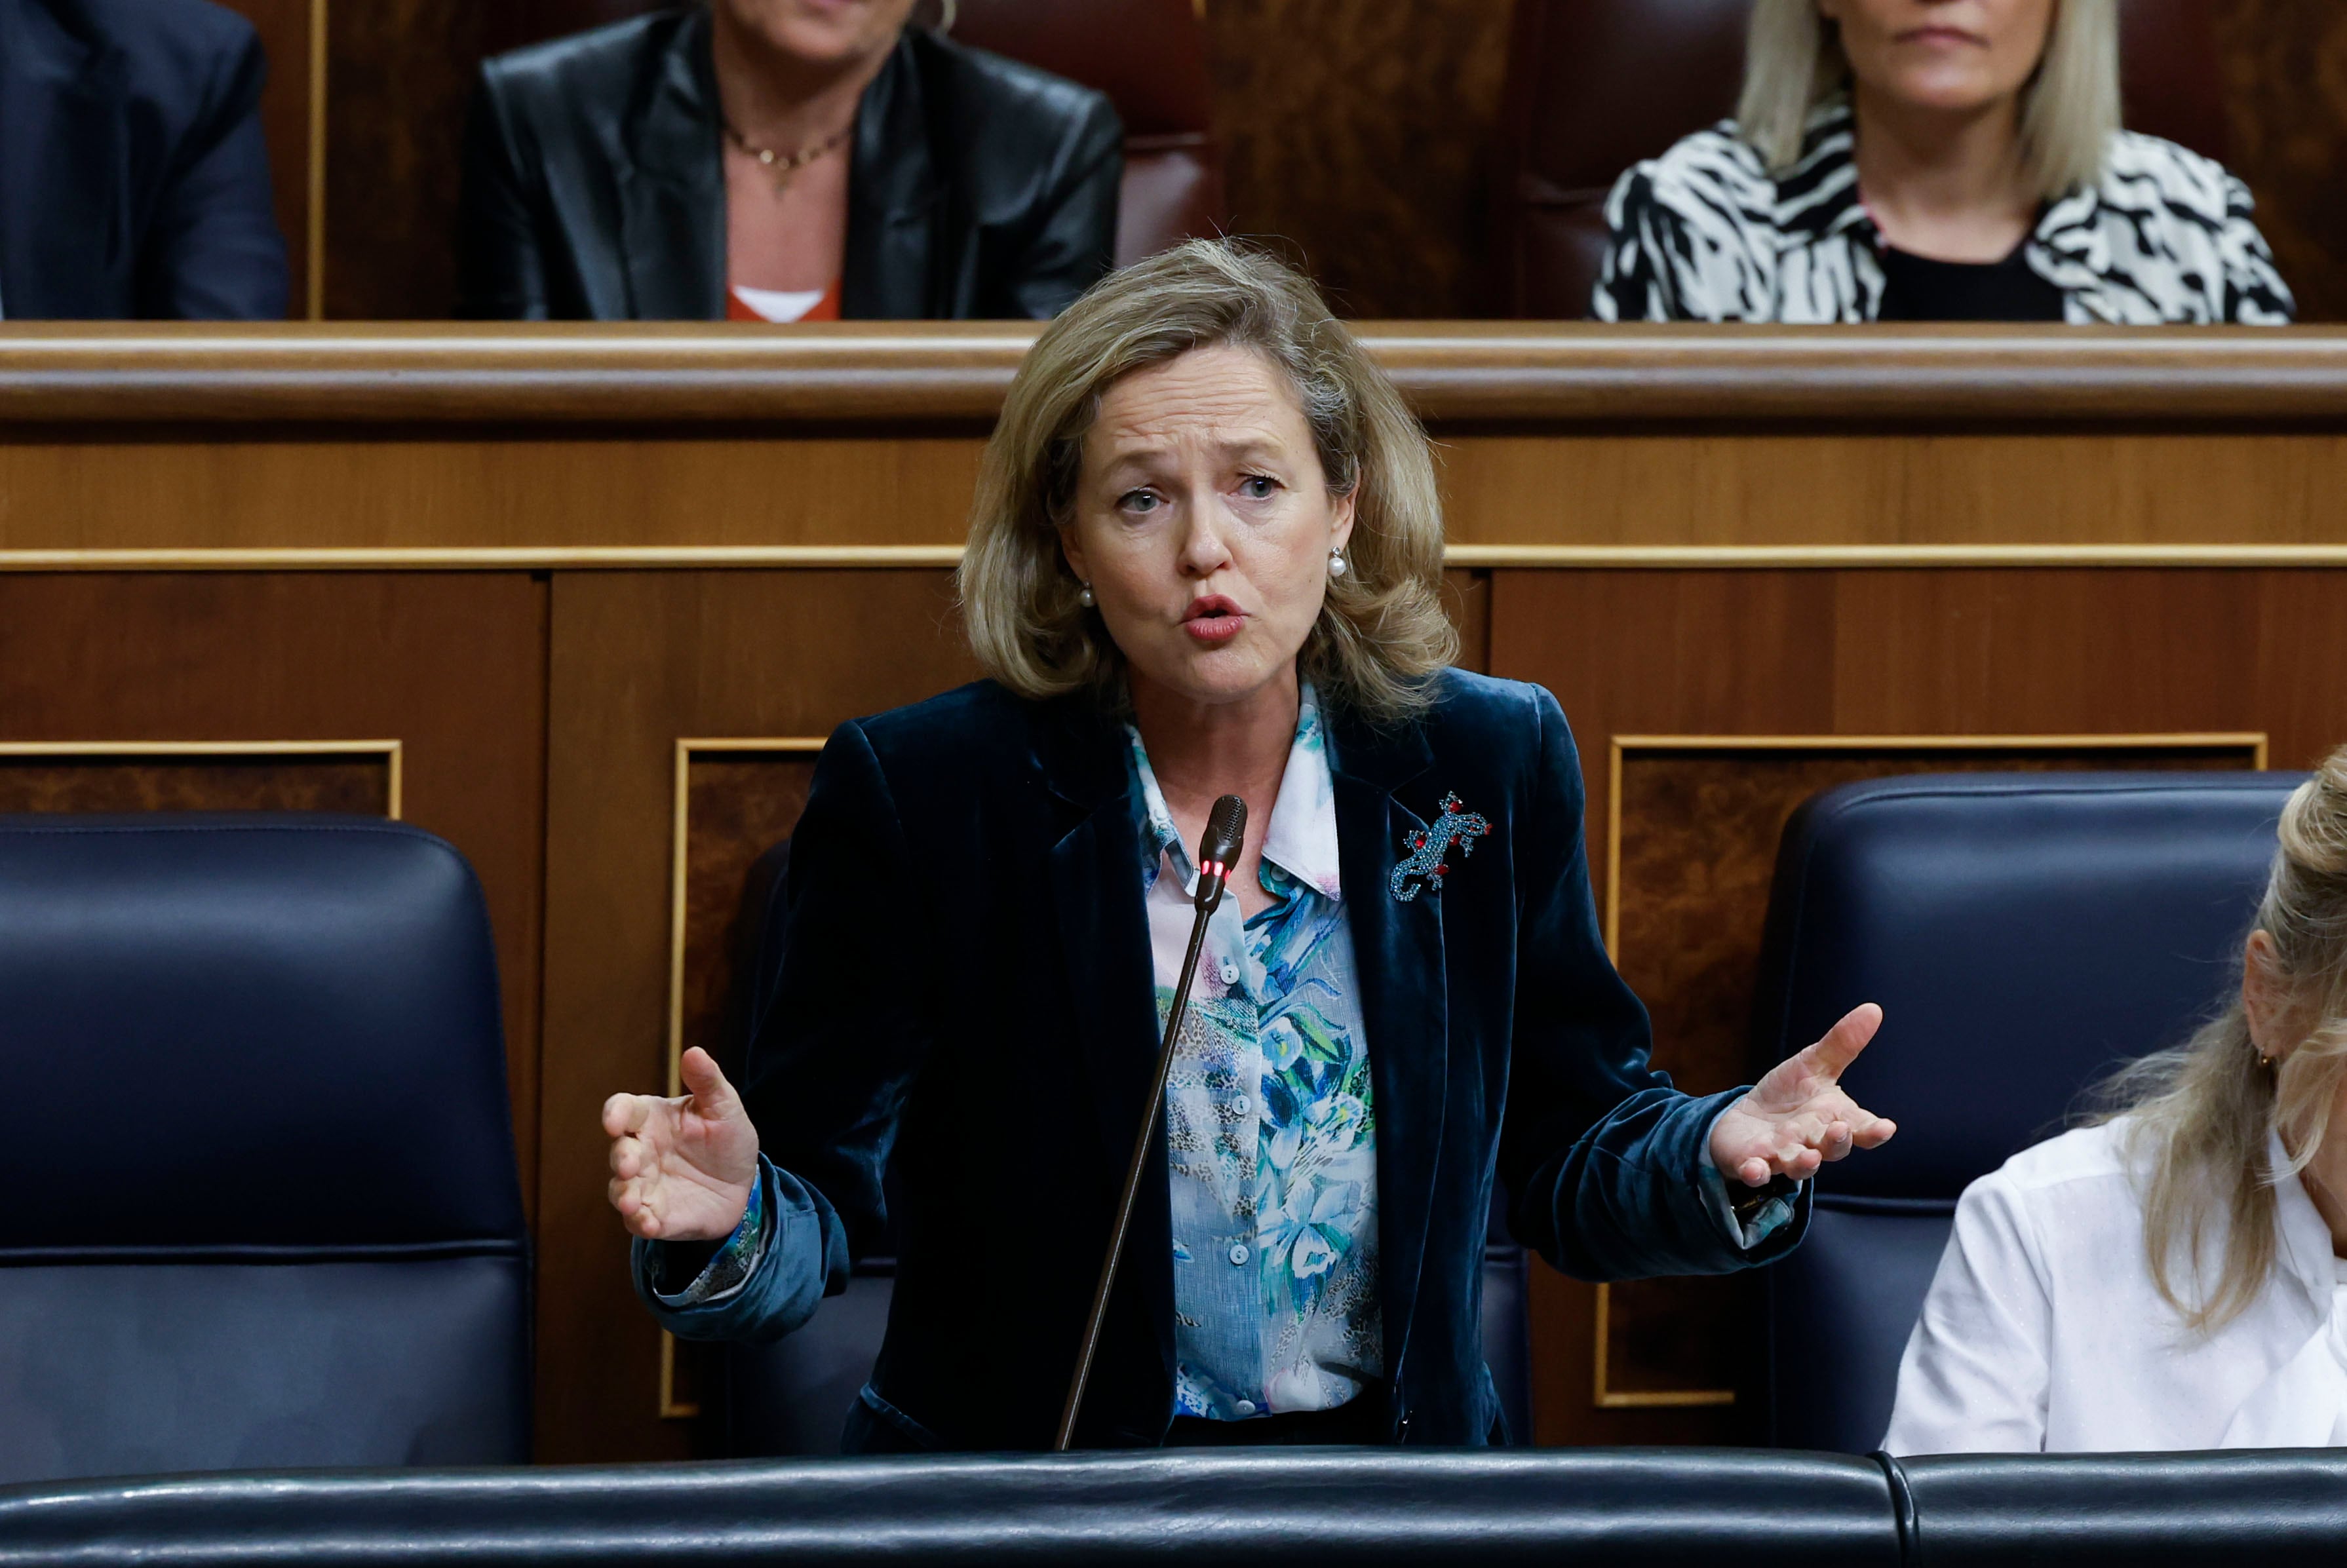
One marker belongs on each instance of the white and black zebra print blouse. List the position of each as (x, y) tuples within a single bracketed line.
[(1706, 233)]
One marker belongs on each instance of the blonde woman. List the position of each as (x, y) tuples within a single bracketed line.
[(1205, 560), (1934, 161), (2172, 1278)]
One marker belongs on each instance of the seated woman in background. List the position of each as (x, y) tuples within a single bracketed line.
[(2172, 1278), (781, 160), (1934, 161)]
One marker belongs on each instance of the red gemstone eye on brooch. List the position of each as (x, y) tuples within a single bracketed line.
[(1428, 847)]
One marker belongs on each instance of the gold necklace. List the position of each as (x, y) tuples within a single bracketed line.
[(776, 164)]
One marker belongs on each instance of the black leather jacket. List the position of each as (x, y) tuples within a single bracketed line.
[(979, 188)]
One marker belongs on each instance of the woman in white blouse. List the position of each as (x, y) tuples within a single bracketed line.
[(2172, 1277)]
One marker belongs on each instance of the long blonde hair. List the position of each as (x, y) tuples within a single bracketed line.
[(1793, 61), (2201, 1114), (1381, 631)]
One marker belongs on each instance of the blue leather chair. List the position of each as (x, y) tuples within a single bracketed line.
[(2024, 933), (264, 1208), (793, 1397)]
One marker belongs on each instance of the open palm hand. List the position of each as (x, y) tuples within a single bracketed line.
[(1798, 1118), (681, 1168)]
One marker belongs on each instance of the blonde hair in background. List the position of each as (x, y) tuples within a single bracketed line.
[(1793, 61), (2203, 1111), (1381, 631)]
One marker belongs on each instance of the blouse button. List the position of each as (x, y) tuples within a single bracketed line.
[(1238, 1252), (1244, 1407), (1239, 1104)]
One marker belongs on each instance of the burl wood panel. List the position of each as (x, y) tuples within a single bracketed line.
[(638, 661), (1359, 135), (359, 786), (399, 73), (452, 665), (1895, 652), (738, 805), (285, 36), (2285, 69), (1698, 833)]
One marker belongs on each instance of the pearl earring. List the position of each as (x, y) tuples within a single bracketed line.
[(1337, 566), (1085, 597)]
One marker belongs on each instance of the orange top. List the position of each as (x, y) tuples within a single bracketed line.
[(826, 309)]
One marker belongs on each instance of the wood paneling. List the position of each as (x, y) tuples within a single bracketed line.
[(1467, 599), (737, 806), (218, 780), (452, 666), (1359, 135), (1751, 490), (470, 494), (1554, 439), (904, 378), (286, 103), (2285, 69), (640, 661), (1856, 653), (538, 499), (399, 74)]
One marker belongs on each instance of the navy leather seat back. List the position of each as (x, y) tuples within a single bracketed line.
[(2024, 933), (266, 1211), (793, 1397)]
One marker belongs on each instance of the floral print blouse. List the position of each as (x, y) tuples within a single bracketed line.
[(1270, 1119), (1271, 1124)]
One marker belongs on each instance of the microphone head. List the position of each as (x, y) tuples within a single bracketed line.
[(1226, 831)]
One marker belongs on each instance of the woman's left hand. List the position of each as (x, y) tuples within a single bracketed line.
[(1797, 1117)]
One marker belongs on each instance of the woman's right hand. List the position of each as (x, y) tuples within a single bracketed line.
[(681, 1169)]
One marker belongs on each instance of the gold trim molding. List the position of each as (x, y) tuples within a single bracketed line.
[(392, 751), (2253, 741), (1846, 557), (314, 284), (1464, 556), (687, 748)]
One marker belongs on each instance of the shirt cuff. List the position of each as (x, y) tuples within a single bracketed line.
[(1764, 1210), (736, 1258)]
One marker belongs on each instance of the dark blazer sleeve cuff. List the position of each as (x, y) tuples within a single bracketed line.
[(1659, 1173), (805, 1259)]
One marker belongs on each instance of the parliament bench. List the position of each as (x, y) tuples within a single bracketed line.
[(1706, 1508)]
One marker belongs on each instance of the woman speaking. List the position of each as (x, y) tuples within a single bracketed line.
[(1205, 561)]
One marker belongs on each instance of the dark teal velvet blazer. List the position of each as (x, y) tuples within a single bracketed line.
[(967, 994)]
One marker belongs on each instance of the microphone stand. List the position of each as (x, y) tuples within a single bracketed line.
[(1226, 830)]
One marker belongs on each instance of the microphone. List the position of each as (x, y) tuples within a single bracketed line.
[(1218, 847)]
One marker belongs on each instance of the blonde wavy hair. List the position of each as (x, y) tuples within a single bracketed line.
[(1793, 61), (2202, 1112), (1381, 633)]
